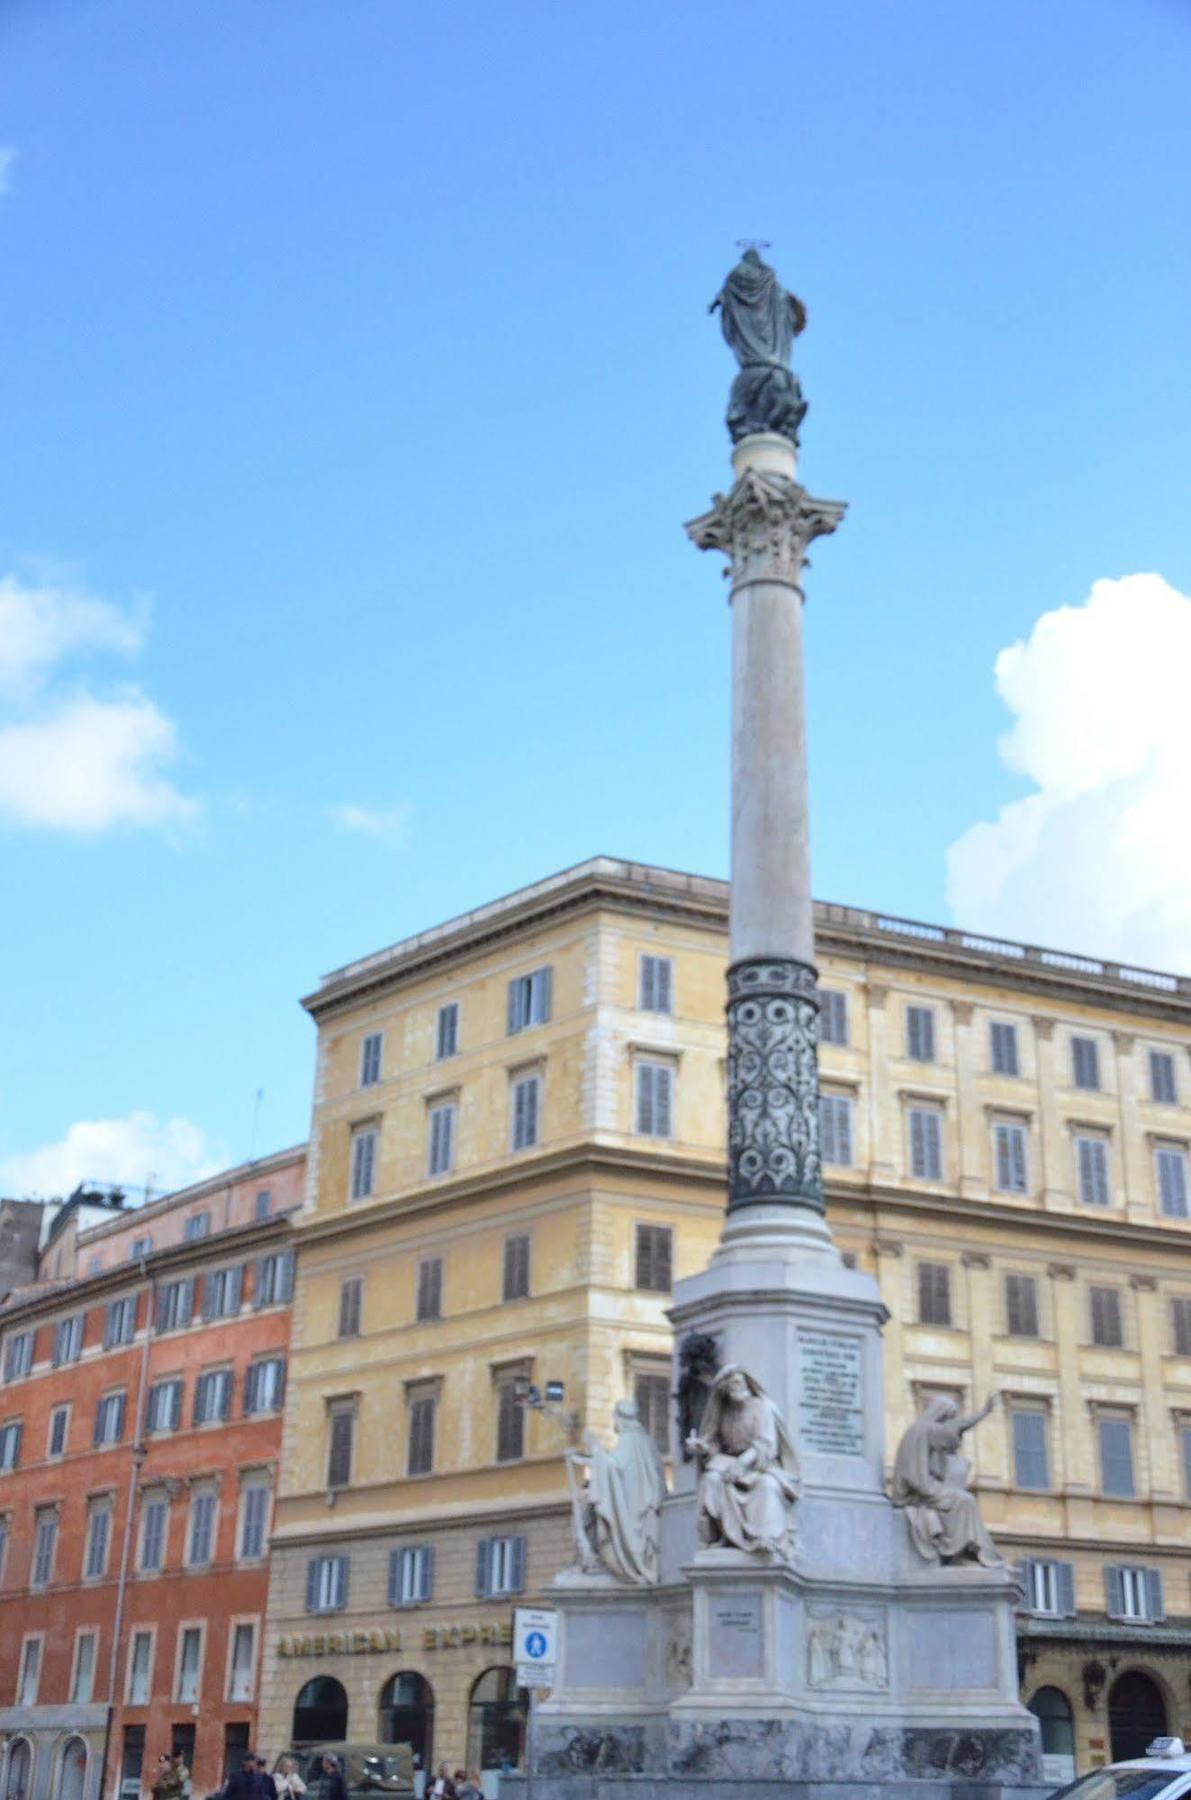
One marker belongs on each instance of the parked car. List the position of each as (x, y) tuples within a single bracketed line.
[(1163, 1773), (368, 1769)]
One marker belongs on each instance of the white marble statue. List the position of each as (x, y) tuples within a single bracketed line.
[(748, 1468), (617, 1516), (930, 1484)]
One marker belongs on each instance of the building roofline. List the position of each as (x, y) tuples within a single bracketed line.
[(704, 899), (199, 1190)]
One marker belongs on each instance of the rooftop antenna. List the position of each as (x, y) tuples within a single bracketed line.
[(256, 1114)]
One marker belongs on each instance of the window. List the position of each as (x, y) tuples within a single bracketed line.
[(1170, 1166), (510, 1422), (83, 1678), (140, 1248), (420, 1460), (1003, 1049), (1009, 1157), (1162, 1077), (442, 1138), (18, 1355), (654, 1104), (527, 1106), (934, 1294), (655, 1258), (1050, 1587), (1091, 1169), (109, 1419), (4, 1530), (175, 1304), (341, 1440), (411, 1575), (515, 1283), (68, 1340), (59, 1425), (212, 1396), (264, 1385), (242, 1662), (273, 1281), (254, 1520), (926, 1143), (140, 1668), (1134, 1593), (119, 1325), (155, 1516), (351, 1294), (1105, 1307), (833, 1016), (920, 1033), (164, 1411), (190, 1662), (326, 1583), (529, 1000), (45, 1542), (198, 1225), (1021, 1306), (500, 1566), (651, 1391), (363, 1162), (429, 1297), (1031, 1461), (655, 984), (446, 1031), (223, 1289), (262, 1206), (30, 1672), (370, 1051), (99, 1530), (1180, 1308), (1116, 1457), (200, 1539), (835, 1129), (1085, 1063), (10, 1445)]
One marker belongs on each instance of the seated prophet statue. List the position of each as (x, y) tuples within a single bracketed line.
[(618, 1514), (748, 1469), (930, 1484)]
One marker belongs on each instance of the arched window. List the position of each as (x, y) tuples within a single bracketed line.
[(1052, 1709), (496, 1721), (320, 1712), (20, 1764), (1136, 1715), (407, 1716), (72, 1769)]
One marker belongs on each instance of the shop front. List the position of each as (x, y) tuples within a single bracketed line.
[(51, 1753)]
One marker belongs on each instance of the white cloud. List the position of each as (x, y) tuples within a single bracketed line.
[(387, 825), (40, 624), (90, 764), (134, 1152), (1098, 857), (8, 157)]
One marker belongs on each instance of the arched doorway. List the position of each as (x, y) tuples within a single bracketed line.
[(1136, 1715), (407, 1716), (496, 1721), (320, 1712), (72, 1769), (20, 1767), (1052, 1709)]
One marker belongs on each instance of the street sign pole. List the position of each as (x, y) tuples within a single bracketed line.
[(535, 1647)]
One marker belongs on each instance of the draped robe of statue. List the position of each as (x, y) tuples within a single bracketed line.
[(748, 1477), (930, 1485), (625, 1489), (760, 321)]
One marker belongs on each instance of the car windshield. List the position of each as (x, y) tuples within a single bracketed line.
[(1120, 1784), (374, 1771)]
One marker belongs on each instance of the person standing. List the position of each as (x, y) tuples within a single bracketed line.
[(242, 1782), (336, 1787), (287, 1782), (265, 1782), (467, 1785), (442, 1787)]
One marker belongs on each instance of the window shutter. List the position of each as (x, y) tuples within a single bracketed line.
[(664, 999), (643, 1258), (1004, 1168), (513, 1017), (484, 1568), (312, 1584), (918, 1144), (843, 1132), (663, 1248), (426, 1588), (209, 1285), (517, 1565), (1026, 1565), (394, 1577), (251, 1382), (285, 1275), (342, 1573), (260, 1283), (339, 1462), (1181, 1312), (235, 1290), (546, 991), (1155, 1604), (1114, 1588)]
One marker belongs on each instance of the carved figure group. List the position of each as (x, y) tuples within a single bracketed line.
[(617, 1522), (846, 1650), (930, 1483), (748, 1468)]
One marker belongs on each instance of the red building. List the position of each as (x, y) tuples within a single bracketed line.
[(141, 1400)]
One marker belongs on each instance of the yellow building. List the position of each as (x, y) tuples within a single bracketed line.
[(516, 1146)]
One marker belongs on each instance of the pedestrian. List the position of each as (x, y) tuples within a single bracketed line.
[(181, 1772), (287, 1781), (265, 1782), (467, 1785), (161, 1787), (336, 1787), (442, 1787), (242, 1782)]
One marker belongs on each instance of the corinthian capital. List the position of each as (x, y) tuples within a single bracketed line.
[(763, 526)]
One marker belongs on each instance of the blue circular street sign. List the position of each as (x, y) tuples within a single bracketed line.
[(535, 1645)]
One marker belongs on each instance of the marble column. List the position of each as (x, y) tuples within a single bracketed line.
[(764, 525)]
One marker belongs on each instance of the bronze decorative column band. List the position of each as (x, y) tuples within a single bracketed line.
[(774, 1152)]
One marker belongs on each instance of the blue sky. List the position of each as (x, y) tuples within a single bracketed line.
[(357, 380)]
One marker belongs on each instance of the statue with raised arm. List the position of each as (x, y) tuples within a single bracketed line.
[(930, 1484), (748, 1469), (619, 1512), (760, 321)]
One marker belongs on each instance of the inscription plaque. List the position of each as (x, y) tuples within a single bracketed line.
[(735, 1635), (832, 1413)]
